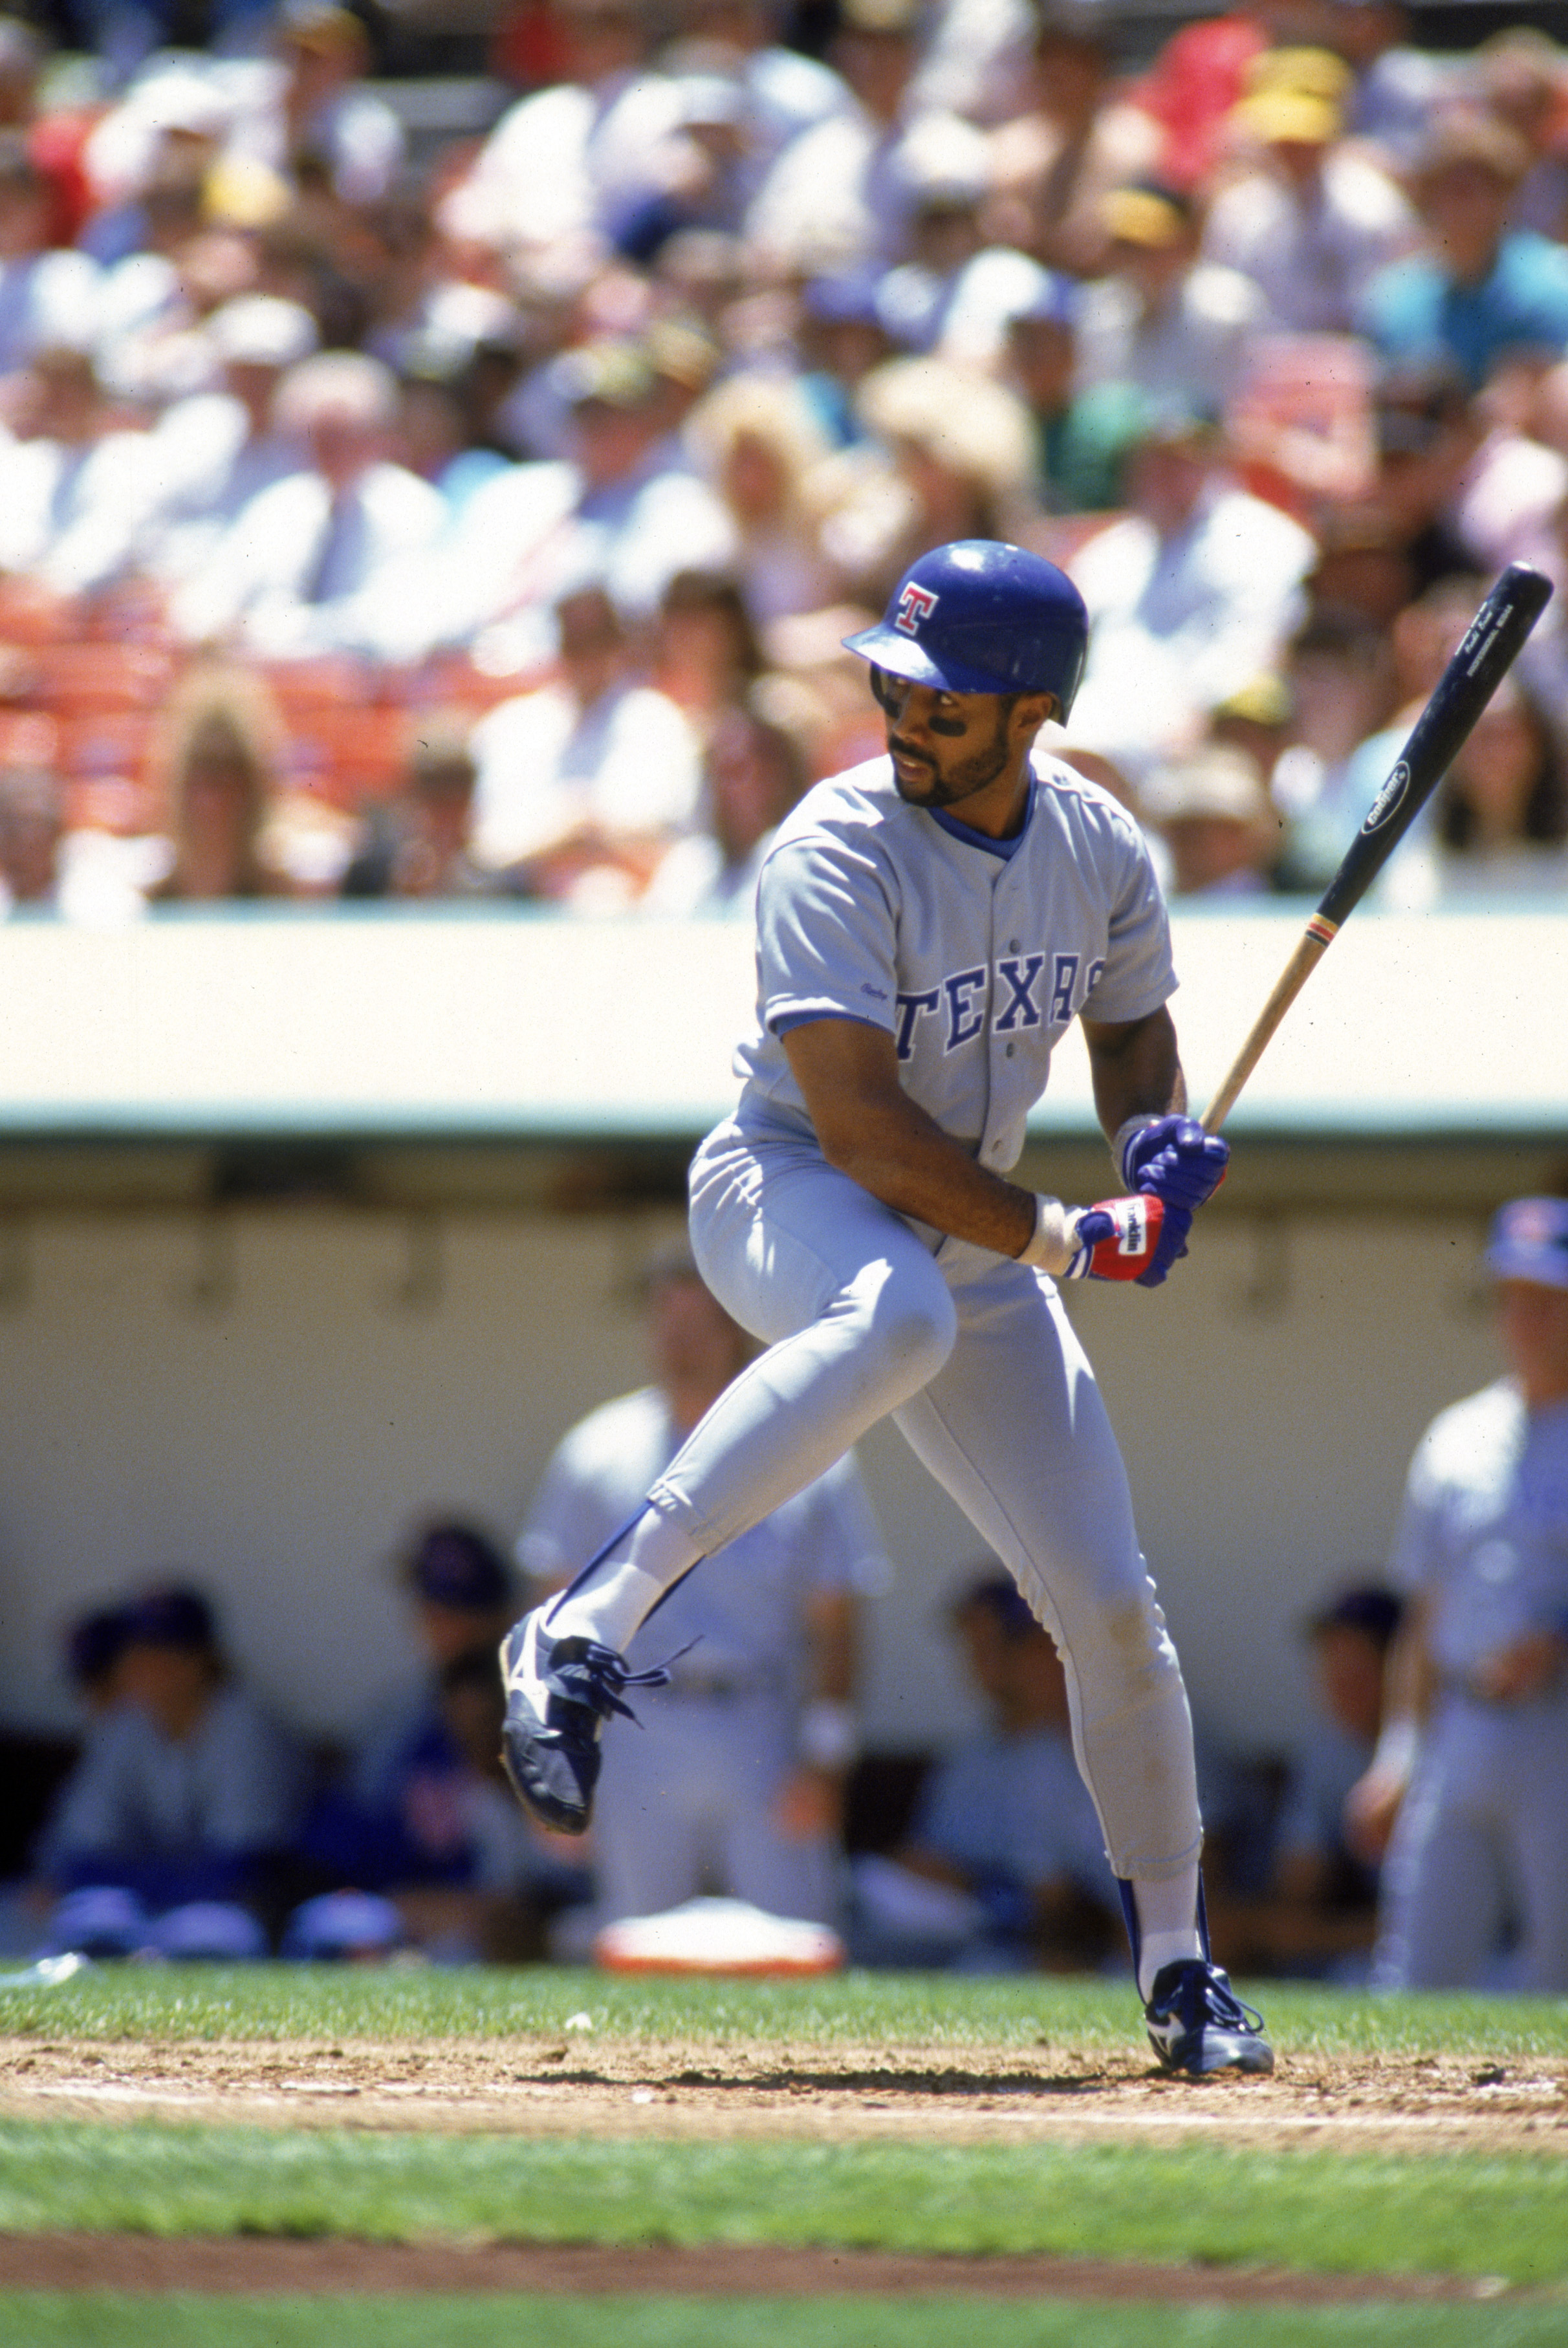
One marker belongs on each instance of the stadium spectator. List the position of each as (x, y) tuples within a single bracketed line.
[(1075, 139), (186, 1787), (735, 1779), (1313, 220), (312, 108), (210, 454), (32, 827), (217, 772), (1193, 591), (705, 656), (842, 195), (1481, 290), (568, 166), (417, 844), (758, 442), (1500, 818), (1161, 317), (1003, 1865), (583, 783), (291, 573), (67, 478), (956, 460), (47, 296), (1215, 817), (1083, 434), (753, 774)]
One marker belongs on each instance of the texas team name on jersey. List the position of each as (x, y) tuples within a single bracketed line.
[(974, 955), (963, 996)]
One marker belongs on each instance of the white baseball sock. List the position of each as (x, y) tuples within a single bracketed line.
[(610, 1603), (1166, 1924)]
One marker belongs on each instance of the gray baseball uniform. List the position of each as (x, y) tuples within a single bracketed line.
[(1482, 1842), (975, 955), (689, 1796)]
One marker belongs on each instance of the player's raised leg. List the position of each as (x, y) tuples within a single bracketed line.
[(862, 1316)]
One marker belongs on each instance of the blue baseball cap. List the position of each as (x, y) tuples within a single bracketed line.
[(456, 1566), (176, 1618), (1529, 1242)]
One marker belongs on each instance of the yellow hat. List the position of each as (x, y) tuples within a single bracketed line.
[(1316, 73), (1142, 216), (1291, 117)]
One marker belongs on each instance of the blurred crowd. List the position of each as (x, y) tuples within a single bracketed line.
[(382, 520)]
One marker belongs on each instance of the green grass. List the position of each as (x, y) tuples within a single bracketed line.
[(302, 2002), (1446, 2213), (97, 2320)]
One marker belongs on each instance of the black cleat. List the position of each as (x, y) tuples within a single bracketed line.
[(558, 1695), (1198, 2024)]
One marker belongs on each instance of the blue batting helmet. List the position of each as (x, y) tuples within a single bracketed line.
[(981, 616)]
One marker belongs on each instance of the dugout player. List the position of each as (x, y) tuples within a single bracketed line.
[(928, 924), (1472, 1768)]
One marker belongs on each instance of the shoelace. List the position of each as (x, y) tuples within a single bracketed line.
[(597, 1680), (1219, 2003)]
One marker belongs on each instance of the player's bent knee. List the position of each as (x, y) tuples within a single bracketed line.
[(914, 1327)]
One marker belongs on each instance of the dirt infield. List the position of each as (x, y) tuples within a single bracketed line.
[(553, 2086), (120, 2262)]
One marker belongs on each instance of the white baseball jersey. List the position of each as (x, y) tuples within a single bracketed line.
[(1481, 1847), (974, 954), (1485, 1525)]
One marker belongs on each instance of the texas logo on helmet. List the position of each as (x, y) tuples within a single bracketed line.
[(914, 604)]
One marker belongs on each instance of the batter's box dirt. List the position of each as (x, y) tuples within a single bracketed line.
[(537, 2086)]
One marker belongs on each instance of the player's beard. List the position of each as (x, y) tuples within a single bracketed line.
[(950, 786)]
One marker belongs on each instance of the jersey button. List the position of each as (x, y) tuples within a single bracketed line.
[(1013, 946), (1009, 1051)]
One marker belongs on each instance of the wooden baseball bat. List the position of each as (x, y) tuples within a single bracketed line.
[(1492, 644)]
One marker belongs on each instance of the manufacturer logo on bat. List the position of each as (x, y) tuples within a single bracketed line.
[(914, 604), (1387, 798)]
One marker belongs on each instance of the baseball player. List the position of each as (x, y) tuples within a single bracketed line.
[(1472, 1768), (737, 1780), (928, 924)]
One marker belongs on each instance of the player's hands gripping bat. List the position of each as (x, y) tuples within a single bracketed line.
[(1492, 644), (1116, 1239)]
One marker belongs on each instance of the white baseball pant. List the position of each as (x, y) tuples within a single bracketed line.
[(1480, 1844), (687, 1801), (977, 1363)]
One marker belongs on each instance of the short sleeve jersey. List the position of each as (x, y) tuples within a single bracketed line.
[(973, 954), (747, 1605), (1484, 1531)]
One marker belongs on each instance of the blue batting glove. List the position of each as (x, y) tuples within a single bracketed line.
[(1172, 1246), (1176, 1160)]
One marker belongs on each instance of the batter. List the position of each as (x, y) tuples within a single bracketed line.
[(928, 925)]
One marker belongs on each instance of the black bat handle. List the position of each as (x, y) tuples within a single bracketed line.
[(1492, 644)]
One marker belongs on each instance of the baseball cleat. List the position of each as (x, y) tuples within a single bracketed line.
[(558, 1695), (1198, 2024)]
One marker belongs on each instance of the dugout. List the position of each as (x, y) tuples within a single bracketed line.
[(316, 1219)]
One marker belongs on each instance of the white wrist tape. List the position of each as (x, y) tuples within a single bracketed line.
[(1055, 1243), (829, 1738), (1397, 1748), (1124, 1134)]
